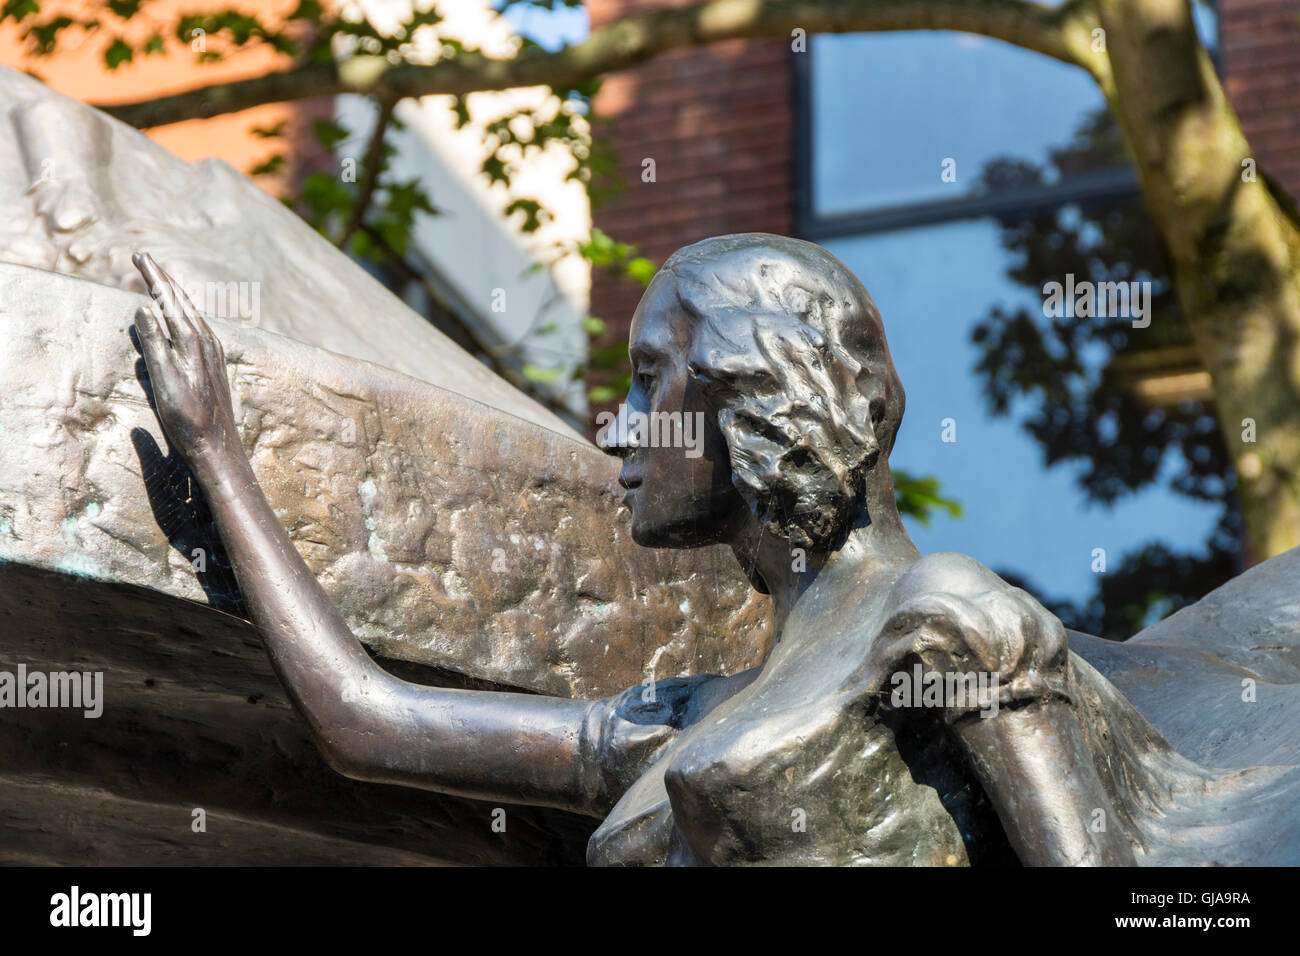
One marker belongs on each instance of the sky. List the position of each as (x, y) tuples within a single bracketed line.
[(550, 28)]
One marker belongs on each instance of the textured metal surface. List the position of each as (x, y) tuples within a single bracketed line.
[(81, 192), (447, 532), (1220, 678)]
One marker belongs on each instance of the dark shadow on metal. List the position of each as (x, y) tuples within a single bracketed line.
[(182, 512)]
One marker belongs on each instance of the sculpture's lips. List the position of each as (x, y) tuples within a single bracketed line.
[(631, 482)]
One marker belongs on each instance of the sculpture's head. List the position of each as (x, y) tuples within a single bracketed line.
[(762, 385)]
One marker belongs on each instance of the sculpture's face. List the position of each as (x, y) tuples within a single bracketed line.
[(676, 467)]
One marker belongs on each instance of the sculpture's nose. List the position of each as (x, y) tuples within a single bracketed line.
[(617, 437)]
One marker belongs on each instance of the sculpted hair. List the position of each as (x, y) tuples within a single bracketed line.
[(790, 349)]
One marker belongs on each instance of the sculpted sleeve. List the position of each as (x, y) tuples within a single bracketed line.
[(626, 733)]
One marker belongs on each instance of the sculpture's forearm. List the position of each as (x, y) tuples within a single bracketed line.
[(369, 724), (1034, 764)]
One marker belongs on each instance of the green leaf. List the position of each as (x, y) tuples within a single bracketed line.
[(18, 9), (323, 196), (187, 24), (919, 497), (269, 167), (496, 170), (270, 132), (642, 270), (125, 9), (611, 390), (328, 133), (309, 10), (394, 220), (461, 109), (407, 198), (601, 250), (119, 52), (534, 214), (282, 43), (44, 36), (543, 376), (609, 356)]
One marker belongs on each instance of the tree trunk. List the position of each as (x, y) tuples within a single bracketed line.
[(1235, 247)]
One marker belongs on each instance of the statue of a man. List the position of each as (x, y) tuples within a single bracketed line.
[(810, 757)]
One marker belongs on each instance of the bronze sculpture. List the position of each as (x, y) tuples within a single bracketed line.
[(807, 758)]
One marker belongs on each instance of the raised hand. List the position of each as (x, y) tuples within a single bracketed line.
[(956, 618), (1028, 745), (187, 370)]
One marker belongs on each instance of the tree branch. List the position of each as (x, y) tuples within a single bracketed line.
[(1055, 32), (465, 336), (372, 164)]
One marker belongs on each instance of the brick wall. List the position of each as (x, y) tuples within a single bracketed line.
[(718, 122), (1259, 42)]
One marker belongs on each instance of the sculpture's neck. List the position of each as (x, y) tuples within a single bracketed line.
[(876, 542)]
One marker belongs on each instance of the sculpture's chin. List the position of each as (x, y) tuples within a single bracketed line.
[(684, 533), (649, 536)]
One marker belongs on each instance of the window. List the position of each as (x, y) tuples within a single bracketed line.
[(916, 151)]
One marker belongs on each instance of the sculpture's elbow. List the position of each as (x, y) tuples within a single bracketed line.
[(348, 754), (349, 735)]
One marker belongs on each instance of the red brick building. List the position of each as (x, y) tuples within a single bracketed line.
[(1259, 42), (721, 124)]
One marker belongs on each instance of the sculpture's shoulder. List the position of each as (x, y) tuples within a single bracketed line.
[(790, 766), (949, 572), (956, 590), (956, 616), (638, 730)]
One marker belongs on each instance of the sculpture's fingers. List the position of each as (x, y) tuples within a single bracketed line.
[(185, 318), (205, 340), (942, 628), (153, 342), (213, 354), (158, 356), (171, 302), (192, 315), (153, 276)]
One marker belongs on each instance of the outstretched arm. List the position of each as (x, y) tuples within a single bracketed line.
[(368, 724)]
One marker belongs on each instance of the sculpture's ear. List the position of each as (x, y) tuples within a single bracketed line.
[(797, 428), (858, 410)]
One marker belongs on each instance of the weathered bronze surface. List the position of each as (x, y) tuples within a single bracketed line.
[(83, 192), (448, 532), (99, 523), (808, 757)]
